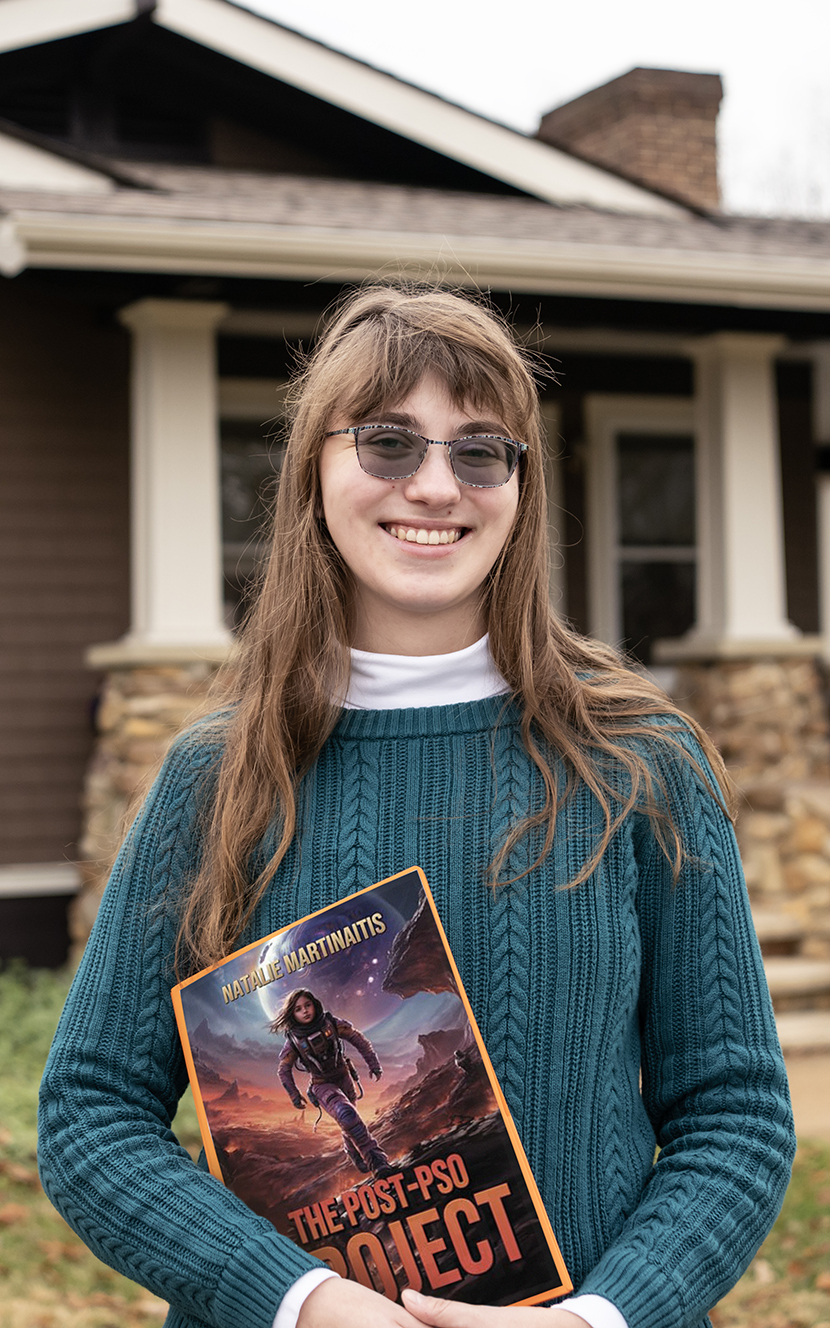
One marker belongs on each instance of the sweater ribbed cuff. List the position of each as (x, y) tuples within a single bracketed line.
[(255, 1281), (644, 1293)]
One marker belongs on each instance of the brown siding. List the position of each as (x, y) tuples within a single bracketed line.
[(63, 555)]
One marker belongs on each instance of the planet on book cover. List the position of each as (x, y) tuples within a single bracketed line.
[(344, 1093)]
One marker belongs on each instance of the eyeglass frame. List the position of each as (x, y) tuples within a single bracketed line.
[(432, 442)]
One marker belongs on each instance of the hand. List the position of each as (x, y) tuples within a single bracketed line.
[(454, 1314), (300, 1102), (376, 1073), (337, 1303)]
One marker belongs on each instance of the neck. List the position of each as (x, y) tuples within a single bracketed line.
[(388, 633)]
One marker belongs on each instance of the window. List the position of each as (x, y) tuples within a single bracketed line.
[(251, 445), (642, 521)]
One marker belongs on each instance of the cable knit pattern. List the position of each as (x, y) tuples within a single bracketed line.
[(574, 989)]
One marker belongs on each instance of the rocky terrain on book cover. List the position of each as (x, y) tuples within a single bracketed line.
[(345, 1094)]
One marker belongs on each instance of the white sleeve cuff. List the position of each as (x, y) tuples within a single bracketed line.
[(296, 1295), (595, 1310)]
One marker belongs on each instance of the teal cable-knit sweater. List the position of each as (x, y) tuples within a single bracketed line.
[(577, 992)]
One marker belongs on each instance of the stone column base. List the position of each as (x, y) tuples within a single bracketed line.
[(142, 708), (784, 837), (767, 716)]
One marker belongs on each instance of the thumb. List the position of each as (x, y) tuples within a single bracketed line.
[(442, 1313)]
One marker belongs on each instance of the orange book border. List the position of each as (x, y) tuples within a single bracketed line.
[(530, 1181)]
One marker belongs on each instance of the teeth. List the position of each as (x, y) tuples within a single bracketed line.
[(413, 535)]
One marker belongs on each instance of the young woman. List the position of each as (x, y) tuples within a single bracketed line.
[(313, 1040), (404, 694)]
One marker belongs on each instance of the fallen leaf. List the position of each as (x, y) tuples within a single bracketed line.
[(61, 1249), (823, 1282), (156, 1309), (763, 1271), (19, 1174), (11, 1213), (795, 1268)]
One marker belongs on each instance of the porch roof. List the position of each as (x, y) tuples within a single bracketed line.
[(208, 220)]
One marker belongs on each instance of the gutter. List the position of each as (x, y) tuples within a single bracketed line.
[(37, 240)]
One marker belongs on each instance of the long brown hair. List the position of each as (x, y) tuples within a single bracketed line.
[(577, 698)]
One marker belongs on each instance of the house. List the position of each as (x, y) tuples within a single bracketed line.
[(184, 187)]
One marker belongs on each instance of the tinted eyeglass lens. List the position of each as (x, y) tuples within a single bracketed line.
[(484, 461), (392, 454)]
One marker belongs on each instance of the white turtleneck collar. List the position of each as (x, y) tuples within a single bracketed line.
[(402, 682)]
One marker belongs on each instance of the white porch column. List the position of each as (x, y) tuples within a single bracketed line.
[(176, 503), (741, 587), (821, 428)]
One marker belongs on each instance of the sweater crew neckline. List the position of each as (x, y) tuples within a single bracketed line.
[(425, 721)]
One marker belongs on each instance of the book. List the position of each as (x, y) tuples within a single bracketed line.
[(344, 1092)]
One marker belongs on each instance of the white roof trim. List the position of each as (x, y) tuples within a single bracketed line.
[(411, 112), (26, 166), (421, 116), (33, 239), (30, 22)]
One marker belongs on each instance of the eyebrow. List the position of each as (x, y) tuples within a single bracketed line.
[(407, 421)]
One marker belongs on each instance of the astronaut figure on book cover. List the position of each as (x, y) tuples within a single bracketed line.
[(314, 1040)]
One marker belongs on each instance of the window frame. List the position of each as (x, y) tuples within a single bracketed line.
[(606, 417)]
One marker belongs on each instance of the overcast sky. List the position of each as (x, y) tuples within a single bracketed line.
[(515, 59)]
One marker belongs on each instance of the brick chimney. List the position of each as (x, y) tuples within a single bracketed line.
[(655, 126)]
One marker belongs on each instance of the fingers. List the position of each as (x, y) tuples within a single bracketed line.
[(455, 1314), (445, 1313), (337, 1303)]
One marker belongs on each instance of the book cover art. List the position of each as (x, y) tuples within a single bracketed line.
[(345, 1094)]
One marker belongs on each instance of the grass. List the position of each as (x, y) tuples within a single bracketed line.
[(788, 1282), (48, 1279)]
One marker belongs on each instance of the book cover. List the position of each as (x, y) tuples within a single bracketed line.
[(344, 1093)]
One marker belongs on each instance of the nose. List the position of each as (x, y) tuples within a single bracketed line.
[(434, 482)]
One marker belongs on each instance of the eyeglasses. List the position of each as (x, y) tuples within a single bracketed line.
[(482, 460)]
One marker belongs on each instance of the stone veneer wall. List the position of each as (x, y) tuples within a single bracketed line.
[(141, 710), (769, 718)]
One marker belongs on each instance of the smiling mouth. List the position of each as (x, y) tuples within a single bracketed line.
[(418, 535)]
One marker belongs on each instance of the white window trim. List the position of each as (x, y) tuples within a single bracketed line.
[(605, 418), (26, 879)]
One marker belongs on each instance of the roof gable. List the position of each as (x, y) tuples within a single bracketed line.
[(419, 120), (28, 165)]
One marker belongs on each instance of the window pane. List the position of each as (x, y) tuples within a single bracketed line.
[(658, 600), (250, 474), (656, 489)]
